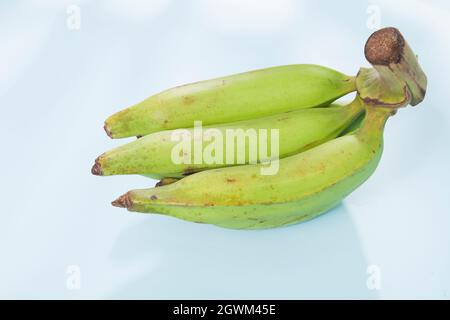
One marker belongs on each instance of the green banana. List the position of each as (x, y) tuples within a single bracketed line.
[(306, 185), (228, 99), (297, 131)]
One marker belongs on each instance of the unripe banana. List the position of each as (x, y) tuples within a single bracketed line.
[(228, 99), (297, 131), (306, 185)]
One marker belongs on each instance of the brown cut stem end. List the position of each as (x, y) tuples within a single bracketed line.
[(384, 47), (124, 201)]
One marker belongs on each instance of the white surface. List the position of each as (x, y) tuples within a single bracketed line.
[(58, 85)]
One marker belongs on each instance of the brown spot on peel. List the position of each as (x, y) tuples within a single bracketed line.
[(384, 47), (123, 201), (97, 168), (188, 100)]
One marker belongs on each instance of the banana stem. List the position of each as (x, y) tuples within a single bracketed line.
[(374, 121), (396, 78), (356, 104)]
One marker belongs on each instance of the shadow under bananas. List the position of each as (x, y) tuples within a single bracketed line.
[(322, 258)]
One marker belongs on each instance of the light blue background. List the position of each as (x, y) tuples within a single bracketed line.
[(58, 85)]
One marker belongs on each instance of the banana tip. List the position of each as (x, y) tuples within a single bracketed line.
[(124, 201), (384, 47), (107, 130), (97, 168)]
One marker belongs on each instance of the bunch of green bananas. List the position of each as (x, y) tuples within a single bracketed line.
[(325, 150)]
